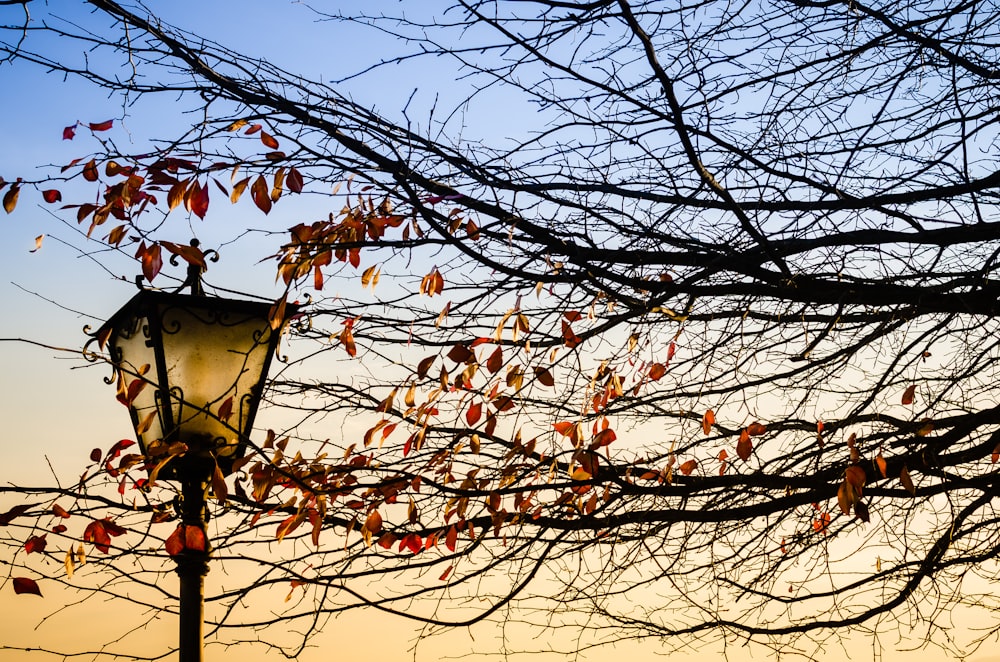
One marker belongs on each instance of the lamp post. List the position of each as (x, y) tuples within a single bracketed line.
[(191, 370)]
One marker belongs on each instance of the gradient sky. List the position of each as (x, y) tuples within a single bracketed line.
[(55, 410)]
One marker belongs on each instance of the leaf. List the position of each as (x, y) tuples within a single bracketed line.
[(904, 478), (38, 243), (474, 412), (219, 487), (756, 429), (544, 377), (35, 544), (269, 141), (855, 475), (194, 538), (260, 194), (197, 199), (495, 361), (908, 394), (90, 171), (101, 126), (69, 132), (373, 523), (880, 462), (657, 371), (10, 198), (151, 260), (688, 467), (175, 542), (707, 421), (226, 410), (444, 575), (424, 366), (744, 447), (23, 585), (845, 497), (295, 182), (59, 511), (51, 196)]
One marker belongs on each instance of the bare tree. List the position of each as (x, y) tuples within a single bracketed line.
[(682, 321)]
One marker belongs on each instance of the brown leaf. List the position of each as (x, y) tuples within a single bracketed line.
[(908, 394), (10, 198), (756, 429), (261, 195), (904, 478), (688, 467)]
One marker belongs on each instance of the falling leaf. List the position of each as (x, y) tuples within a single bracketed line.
[(24, 585)]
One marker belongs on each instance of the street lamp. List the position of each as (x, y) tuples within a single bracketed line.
[(191, 369)]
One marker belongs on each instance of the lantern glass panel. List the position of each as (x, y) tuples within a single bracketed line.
[(214, 361)]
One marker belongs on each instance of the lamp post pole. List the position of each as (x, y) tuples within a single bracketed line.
[(192, 566)]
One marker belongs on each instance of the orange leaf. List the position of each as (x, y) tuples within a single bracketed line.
[(880, 461), (657, 371), (855, 475), (908, 394), (90, 171), (707, 421), (756, 429), (688, 467), (269, 141), (373, 523)]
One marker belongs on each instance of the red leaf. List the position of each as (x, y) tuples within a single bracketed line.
[(451, 538), (572, 316), (59, 511), (175, 543), (744, 447), (25, 585), (69, 132), (565, 428), (261, 196), (35, 544), (474, 413), (603, 438), (908, 394), (226, 410), (495, 361), (194, 538), (756, 429), (444, 575), (294, 181), (51, 195), (95, 455), (101, 126), (152, 262), (197, 199), (96, 533)]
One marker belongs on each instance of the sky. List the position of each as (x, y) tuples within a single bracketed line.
[(55, 408)]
